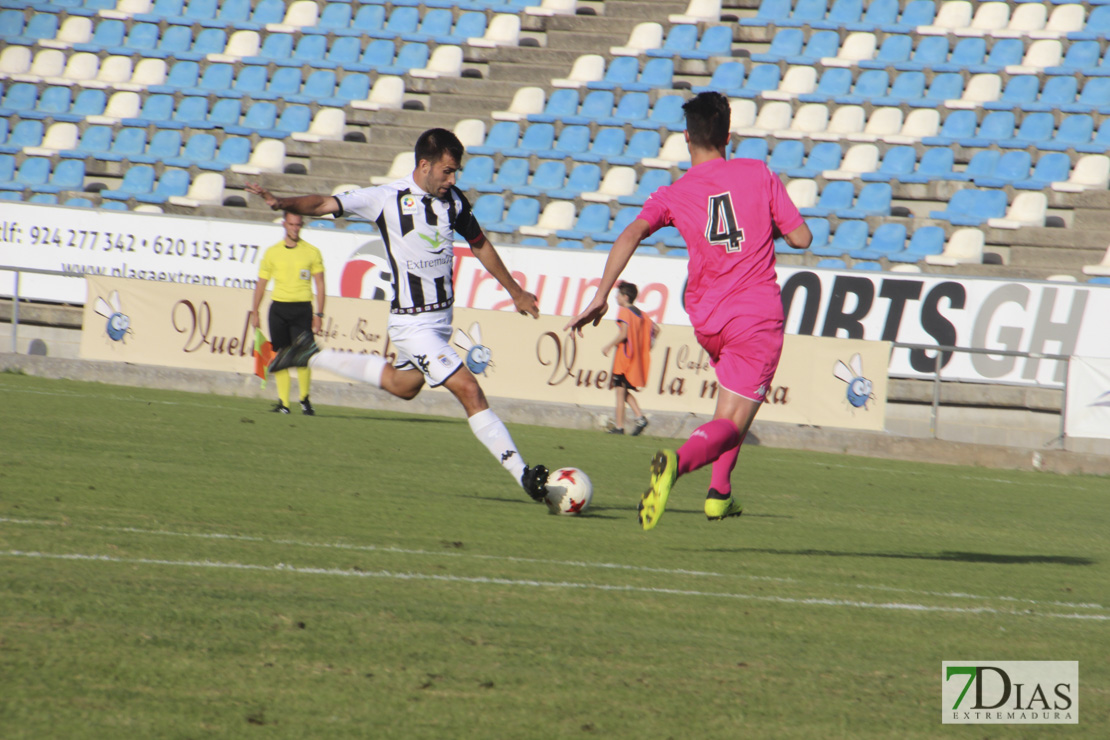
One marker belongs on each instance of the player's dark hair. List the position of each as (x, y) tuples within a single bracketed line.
[(629, 291), (707, 119), (435, 142)]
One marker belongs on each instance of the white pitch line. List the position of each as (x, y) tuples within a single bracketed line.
[(403, 551), (528, 583), (512, 558)]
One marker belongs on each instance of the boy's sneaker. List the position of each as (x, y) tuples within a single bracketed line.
[(722, 508), (534, 481), (306, 407), (639, 426), (280, 408), (615, 430), (295, 355), (664, 472)]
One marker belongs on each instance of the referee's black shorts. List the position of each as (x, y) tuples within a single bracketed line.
[(288, 321)]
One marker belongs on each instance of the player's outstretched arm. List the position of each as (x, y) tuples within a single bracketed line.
[(619, 255), (306, 205), (525, 302), (799, 238)]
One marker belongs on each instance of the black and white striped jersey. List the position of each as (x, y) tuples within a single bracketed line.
[(418, 230)]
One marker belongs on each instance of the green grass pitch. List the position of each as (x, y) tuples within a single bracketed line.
[(178, 565)]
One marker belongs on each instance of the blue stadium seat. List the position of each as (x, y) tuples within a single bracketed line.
[(873, 200), (471, 24), (200, 147), (930, 52), (666, 114), (182, 77), (7, 167), (680, 39), (898, 162), (584, 178), (94, 141), (488, 208), (549, 175), (402, 20), (849, 236), (33, 172), (23, 134), (908, 88), (1058, 92), (788, 42), (1075, 131), (786, 156), (945, 86), (157, 110), (762, 78), (171, 183), (1097, 26), (1011, 167), (368, 20), (334, 18), (641, 145), (997, 128), (538, 137), (1051, 167), (411, 56), (846, 14), (164, 144), (1079, 57), (18, 98), (620, 222), (820, 44), (648, 183), (175, 42), (871, 85), (825, 155), (769, 11), (835, 83), (751, 149), (888, 239), (1018, 92), (831, 263), (1095, 96), (561, 104), (835, 196), (916, 13), (804, 13), (621, 71), (981, 165), (476, 172), (971, 207), (716, 41), (233, 150), (138, 180), (937, 163), (592, 219), (895, 48), (512, 174), (926, 240), (596, 105), (727, 79), (521, 212), (1036, 130), (1101, 142)]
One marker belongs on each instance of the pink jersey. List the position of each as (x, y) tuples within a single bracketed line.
[(727, 211)]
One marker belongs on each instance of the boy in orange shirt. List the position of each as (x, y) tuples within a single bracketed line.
[(636, 334)]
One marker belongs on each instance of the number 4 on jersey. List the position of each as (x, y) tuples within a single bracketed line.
[(721, 228)]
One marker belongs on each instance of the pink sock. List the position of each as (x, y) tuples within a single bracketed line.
[(721, 479), (706, 444)]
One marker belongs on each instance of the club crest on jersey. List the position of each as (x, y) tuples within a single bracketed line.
[(305, 275), (408, 205)]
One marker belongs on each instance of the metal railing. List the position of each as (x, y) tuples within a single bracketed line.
[(941, 349), (15, 292)]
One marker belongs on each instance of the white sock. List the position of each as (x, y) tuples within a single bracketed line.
[(364, 368), (491, 432)]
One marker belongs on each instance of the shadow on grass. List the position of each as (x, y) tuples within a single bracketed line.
[(947, 556)]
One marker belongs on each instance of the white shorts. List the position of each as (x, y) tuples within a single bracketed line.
[(422, 343)]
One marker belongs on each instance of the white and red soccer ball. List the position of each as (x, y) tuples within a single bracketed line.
[(568, 491)]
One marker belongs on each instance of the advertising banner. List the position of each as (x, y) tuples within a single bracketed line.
[(820, 382), (1022, 316), (1087, 406)]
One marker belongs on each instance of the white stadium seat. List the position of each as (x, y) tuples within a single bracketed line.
[(964, 247)]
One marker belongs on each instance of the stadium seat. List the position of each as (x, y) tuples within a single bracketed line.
[(268, 155), (849, 236), (33, 172), (964, 247), (403, 164), (521, 212), (1028, 209), (972, 207), (1091, 172), (592, 219), (476, 172), (172, 182), (1051, 168), (648, 183), (557, 215), (582, 179), (888, 239), (526, 101), (138, 180), (502, 136), (1101, 269), (512, 174), (645, 36), (803, 193), (924, 241), (388, 92), (503, 30), (834, 197), (618, 181), (549, 176)]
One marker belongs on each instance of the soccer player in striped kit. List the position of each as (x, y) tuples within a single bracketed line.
[(729, 212), (418, 217)]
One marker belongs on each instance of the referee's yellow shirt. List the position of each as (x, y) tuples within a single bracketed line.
[(291, 270)]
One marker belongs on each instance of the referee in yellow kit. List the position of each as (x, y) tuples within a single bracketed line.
[(294, 265)]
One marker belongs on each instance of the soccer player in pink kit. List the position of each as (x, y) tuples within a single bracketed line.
[(729, 212)]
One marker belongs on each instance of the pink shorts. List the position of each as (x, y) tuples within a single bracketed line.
[(745, 355)]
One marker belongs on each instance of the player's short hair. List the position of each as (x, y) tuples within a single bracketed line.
[(435, 142), (708, 116), (629, 291)]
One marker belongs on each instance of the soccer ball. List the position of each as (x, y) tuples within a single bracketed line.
[(568, 491)]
